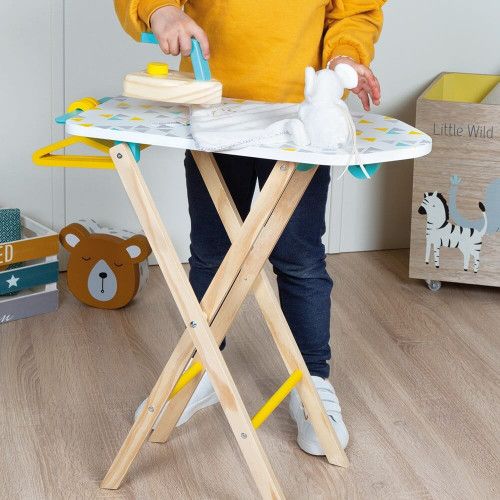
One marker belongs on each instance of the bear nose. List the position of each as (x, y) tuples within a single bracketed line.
[(103, 275)]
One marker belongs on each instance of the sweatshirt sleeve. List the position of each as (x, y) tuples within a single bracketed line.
[(351, 29), (134, 15)]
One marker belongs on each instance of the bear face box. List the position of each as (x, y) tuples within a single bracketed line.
[(103, 270)]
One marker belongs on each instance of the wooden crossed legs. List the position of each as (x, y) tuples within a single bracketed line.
[(208, 322)]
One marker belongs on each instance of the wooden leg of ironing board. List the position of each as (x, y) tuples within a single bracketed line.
[(201, 336), (275, 320), (176, 406), (273, 315), (143, 425), (212, 300), (225, 315)]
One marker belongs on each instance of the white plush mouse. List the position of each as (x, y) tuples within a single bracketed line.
[(324, 114)]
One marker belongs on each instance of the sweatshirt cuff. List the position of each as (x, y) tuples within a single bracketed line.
[(344, 50), (146, 8)]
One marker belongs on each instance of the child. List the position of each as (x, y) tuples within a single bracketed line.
[(259, 51)]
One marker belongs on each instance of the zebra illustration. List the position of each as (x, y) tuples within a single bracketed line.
[(440, 232)]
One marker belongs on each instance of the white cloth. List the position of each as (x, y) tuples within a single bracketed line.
[(236, 124)]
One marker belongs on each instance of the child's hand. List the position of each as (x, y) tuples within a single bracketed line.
[(174, 30), (368, 85)]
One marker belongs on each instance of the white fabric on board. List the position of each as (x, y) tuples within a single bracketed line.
[(237, 124)]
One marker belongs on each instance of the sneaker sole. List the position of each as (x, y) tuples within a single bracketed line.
[(313, 447), (190, 410), (209, 400), (309, 447)]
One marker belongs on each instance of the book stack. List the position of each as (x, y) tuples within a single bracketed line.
[(28, 267)]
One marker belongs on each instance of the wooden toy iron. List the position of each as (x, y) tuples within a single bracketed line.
[(157, 83)]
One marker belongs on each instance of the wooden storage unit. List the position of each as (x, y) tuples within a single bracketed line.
[(36, 279), (464, 167)]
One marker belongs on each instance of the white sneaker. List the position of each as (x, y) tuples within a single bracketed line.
[(306, 437), (203, 396)]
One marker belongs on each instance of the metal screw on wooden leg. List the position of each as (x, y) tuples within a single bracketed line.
[(119, 156), (193, 324), (243, 435), (283, 168), (151, 409)]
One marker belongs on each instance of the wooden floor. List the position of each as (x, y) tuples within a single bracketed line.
[(416, 372)]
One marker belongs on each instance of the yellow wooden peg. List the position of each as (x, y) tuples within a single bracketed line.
[(157, 69)]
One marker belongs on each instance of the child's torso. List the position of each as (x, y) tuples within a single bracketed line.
[(259, 50)]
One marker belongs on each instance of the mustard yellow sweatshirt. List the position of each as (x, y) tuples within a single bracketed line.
[(259, 49)]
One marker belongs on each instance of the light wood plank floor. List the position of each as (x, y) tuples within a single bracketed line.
[(416, 372)]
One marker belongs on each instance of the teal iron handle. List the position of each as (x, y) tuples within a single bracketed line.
[(201, 68)]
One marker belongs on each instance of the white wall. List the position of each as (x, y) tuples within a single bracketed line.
[(46, 68), (31, 86), (98, 53), (419, 40)]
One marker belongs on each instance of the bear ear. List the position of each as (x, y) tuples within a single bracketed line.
[(71, 235), (138, 248), (347, 75), (310, 81)]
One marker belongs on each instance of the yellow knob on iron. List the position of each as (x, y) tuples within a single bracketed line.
[(157, 69)]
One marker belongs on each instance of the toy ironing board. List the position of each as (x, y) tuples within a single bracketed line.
[(142, 123)]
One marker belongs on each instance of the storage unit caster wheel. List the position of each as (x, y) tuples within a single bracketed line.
[(433, 285)]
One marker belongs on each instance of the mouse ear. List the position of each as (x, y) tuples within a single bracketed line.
[(347, 74), (71, 235), (310, 81), (138, 248)]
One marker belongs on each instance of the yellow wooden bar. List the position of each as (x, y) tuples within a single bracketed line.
[(273, 402), (188, 375)]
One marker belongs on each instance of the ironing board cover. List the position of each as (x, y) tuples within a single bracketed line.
[(379, 138)]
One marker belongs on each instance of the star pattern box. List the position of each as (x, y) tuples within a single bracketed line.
[(36, 279)]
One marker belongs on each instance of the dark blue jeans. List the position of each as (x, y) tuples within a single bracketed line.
[(298, 258)]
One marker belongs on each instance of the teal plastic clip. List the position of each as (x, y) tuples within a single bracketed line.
[(304, 167), (135, 148), (61, 120), (356, 171), (201, 68)]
